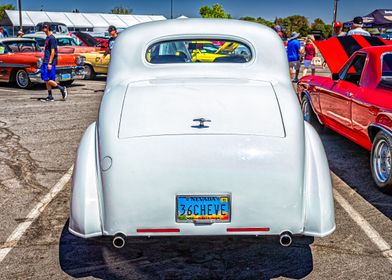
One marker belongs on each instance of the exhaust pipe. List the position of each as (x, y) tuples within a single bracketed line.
[(286, 239), (119, 240)]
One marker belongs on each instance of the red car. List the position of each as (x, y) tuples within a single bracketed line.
[(356, 101), (21, 59)]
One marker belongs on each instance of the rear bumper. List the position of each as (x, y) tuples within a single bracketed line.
[(75, 73), (264, 212)]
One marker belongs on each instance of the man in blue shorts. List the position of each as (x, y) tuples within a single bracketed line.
[(48, 68), (294, 55)]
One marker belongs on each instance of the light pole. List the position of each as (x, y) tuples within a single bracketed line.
[(335, 10), (171, 9), (20, 15)]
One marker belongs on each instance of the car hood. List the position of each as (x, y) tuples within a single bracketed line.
[(337, 50), (171, 107)]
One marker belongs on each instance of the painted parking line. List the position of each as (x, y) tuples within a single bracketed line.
[(17, 234), (7, 90), (372, 234)]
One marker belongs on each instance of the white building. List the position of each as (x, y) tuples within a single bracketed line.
[(94, 22)]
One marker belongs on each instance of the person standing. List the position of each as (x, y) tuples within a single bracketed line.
[(356, 28), (48, 68), (2, 32), (294, 55), (310, 53), (338, 29), (113, 36)]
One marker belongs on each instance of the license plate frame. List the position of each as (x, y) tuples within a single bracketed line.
[(218, 218), (65, 77)]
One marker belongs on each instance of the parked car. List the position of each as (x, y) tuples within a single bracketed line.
[(65, 43), (356, 101), (185, 148), (94, 66), (21, 59), (56, 27), (85, 39), (207, 51)]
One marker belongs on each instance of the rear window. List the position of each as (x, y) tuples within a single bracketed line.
[(387, 65), (198, 51)]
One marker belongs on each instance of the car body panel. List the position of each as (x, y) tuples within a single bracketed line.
[(94, 59), (352, 108), (278, 177)]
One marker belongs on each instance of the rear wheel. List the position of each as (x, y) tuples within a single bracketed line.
[(22, 79), (309, 114), (89, 72), (380, 162)]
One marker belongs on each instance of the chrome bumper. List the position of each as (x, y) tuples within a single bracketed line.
[(72, 73)]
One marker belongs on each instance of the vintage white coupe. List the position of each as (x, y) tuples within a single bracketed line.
[(200, 148)]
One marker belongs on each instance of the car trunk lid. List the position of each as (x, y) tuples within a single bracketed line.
[(167, 107)]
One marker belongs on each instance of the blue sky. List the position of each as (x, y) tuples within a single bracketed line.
[(237, 8)]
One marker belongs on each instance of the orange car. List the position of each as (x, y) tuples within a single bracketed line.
[(21, 59)]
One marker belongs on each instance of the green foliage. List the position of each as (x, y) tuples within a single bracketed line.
[(295, 23), (5, 7), (216, 11), (120, 10), (259, 20)]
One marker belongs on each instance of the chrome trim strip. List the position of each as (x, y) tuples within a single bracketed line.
[(15, 65)]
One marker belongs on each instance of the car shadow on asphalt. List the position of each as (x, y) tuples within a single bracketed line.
[(351, 163), (236, 257)]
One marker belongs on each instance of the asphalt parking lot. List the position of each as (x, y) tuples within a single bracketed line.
[(38, 143)]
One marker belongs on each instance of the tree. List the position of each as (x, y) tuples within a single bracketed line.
[(295, 23), (259, 20), (216, 11), (319, 24), (5, 7), (121, 10)]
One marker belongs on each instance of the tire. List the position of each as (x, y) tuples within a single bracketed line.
[(22, 79), (381, 162), (310, 115), (90, 73), (67, 83)]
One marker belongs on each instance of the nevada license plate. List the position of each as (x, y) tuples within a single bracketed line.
[(65, 77), (203, 208)]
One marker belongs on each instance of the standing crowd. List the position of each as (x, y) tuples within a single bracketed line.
[(307, 54)]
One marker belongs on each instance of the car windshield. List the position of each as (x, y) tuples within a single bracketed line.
[(63, 42), (204, 51), (387, 65), (21, 46)]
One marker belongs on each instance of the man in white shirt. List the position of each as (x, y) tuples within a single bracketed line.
[(356, 28)]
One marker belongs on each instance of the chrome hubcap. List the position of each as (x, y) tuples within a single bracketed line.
[(306, 110), (22, 78), (382, 161)]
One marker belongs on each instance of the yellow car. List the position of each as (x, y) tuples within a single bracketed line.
[(206, 51), (93, 66)]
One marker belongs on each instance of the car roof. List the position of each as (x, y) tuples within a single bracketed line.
[(43, 35), (6, 40)]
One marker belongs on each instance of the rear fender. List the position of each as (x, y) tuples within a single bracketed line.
[(319, 205), (85, 219), (383, 122)]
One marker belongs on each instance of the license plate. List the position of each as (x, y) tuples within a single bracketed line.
[(203, 208), (65, 77)]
